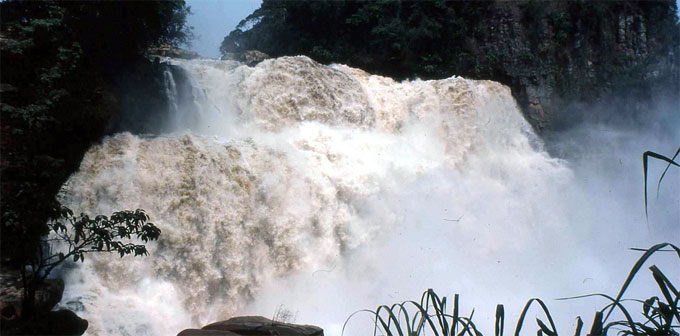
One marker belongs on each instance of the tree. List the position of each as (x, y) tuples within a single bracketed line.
[(76, 236), (70, 69)]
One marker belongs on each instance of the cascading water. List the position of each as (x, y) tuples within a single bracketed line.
[(171, 94), (325, 190)]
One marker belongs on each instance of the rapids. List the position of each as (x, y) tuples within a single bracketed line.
[(320, 190)]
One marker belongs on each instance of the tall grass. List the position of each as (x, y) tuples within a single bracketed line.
[(660, 315)]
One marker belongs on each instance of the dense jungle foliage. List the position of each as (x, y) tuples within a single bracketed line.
[(547, 52), (61, 87)]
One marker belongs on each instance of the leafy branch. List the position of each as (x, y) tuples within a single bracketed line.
[(79, 235), (98, 234)]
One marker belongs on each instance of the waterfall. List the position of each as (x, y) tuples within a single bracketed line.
[(172, 95), (325, 190)]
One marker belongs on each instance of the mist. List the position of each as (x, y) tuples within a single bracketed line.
[(311, 192), (559, 237)]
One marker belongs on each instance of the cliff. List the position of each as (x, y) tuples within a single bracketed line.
[(563, 60)]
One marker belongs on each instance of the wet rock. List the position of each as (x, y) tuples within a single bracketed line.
[(253, 326), (47, 295), (248, 57), (64, 322), (60, 322), (202, 332), (4, 88)]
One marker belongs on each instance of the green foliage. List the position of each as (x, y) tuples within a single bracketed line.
[(393, 37), (660, 315), (82, 235), (431, 316), (76, 236), (65, 59), (570, 50)]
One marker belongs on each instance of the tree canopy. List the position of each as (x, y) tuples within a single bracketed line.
[(61, 63), (550, 53)]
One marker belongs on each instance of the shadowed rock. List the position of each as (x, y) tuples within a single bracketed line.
[(253, 326), (202, 332)]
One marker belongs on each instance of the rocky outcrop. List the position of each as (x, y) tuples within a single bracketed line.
[(565, 61), (60, 322), (47, 295), (563, 66), (202, 332), (253, 326), (248, 57), (45, 321)]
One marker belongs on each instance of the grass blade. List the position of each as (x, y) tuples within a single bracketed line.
[(455, 315), (645, 157), (596, 329), (637, 267), (658, 185), (500, 320), (520, 321), (545, 329), (579, 326), (615, 303)]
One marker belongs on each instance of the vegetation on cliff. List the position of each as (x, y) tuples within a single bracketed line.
[(60, 93), (551, 54)]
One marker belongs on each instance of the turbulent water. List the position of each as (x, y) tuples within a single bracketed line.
[(313, 191)]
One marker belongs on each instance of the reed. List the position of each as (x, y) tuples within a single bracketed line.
[(660, 315)]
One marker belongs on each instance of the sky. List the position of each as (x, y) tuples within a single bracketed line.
[(213, 20)]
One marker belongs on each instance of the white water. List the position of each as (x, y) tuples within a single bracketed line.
[(324, 190)]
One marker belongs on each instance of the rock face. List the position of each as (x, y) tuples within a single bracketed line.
[(249, 57), (63, 322), (253, 326), (145, 105), (564, 60), (60, 322), (564, 66), (45, 321), (47, 295), (202, 332)]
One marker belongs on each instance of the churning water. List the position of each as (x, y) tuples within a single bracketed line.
[(318, 190)]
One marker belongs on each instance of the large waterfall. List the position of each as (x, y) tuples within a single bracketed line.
[(321, 190)]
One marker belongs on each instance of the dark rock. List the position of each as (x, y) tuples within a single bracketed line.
[(11, 295), (258, 325), (4, 88), (64, 322), (154, 93), (202, 332), (47, 295), (60, 322), (252, 57), (248, 57)]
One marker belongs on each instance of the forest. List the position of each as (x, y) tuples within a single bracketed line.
[(555, 56), (67, 68)]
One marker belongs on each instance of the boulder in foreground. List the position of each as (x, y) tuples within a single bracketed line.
[(253, 326)]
